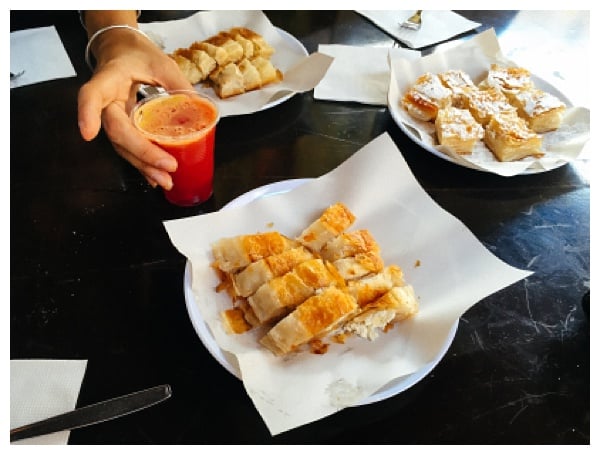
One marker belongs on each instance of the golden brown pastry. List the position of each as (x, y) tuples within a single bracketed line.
[(315, 317), (350, 244), (225, 41), (457, 81), (542, 110), (247, 281), (204, 62), (426, 96), (191, 72), (458, 129), (232, 62), (484, 103), (268, 73), (281, 294), (359, 265), (261, 47), (371, 287), (251, 75), (218, 53), (228, 81), (397, 304), (234, 253), (509, 137), (333, 221), (508, 79)]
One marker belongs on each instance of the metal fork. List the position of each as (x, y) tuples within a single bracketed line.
[(413, 22)]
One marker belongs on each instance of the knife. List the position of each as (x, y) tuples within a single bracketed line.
[(94, 413)]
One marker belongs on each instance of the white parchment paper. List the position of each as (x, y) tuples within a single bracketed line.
[(475, 57), (302, 72), (455, 272)]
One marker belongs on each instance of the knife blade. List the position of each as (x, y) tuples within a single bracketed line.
[(94, 413)]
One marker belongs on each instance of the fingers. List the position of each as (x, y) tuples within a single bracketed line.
[(152, 161), (89, 105), (171, 77)]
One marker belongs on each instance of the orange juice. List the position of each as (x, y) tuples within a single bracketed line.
[(183, 123)]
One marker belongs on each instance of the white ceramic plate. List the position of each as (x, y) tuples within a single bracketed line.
[(228, 361), (395, 109), (291, 41)]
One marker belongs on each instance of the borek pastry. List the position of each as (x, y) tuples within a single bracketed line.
[(426, 96), (509, 137), (315, 317), (332, 222), (458, 129)]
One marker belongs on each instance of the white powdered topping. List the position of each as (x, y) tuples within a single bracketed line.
[(536, 102), (460, 122), (456, 79), (430, 86), (490, 102), (509, 78)]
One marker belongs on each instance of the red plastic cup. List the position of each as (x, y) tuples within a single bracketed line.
[(183, 123)]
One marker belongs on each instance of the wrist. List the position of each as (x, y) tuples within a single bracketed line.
[(104, 40)]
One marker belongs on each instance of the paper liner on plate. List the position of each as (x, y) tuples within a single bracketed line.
[(301, 72), (455, 272), (475, 57)]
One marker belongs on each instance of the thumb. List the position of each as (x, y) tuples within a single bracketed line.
[(89, 111)]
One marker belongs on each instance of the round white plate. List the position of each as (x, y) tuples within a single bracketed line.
[(395, 109), (291, 40), (228, 361)]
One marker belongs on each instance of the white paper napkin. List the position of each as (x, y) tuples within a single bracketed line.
[(40, 53), (437, 26), (448, 267), (43, 388), (358, 73)]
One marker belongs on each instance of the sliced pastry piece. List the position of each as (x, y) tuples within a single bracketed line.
[(281, 294), (261, 47), (225, 41), (268, 73), (484, 103), (362, 264), (204, 62), (234, 253), (426, 96), (228, 81), (234, 321), (315, 317), (397, 304), (508, 79), (334, 220), (191, 72), (247, 281), (509, 137), (247, 45), (457, 128), (371, 287), (251, 75), (542, 110), (350, 244), (218, 53), (457, 81)]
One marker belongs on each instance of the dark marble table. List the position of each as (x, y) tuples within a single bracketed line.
[(93, 274)]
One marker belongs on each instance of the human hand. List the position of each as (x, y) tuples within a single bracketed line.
[(126, 59)]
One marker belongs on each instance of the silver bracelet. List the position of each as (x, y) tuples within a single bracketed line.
[(100, 32)]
